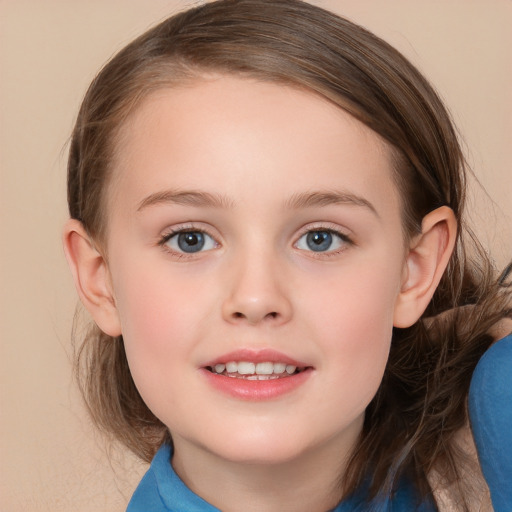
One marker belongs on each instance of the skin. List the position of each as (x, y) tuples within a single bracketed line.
[(256, 147)]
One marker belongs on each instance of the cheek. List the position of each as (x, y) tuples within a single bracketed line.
[(152, 301), (354, 327), (356, 299), (159, 317), (161, 329)]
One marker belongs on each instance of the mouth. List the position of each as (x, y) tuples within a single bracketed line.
[(266, 370), (256, 375)]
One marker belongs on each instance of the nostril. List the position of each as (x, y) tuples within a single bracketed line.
[(271, 315)]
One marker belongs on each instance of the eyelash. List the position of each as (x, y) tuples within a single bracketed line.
[(164, 239), (343, 237)]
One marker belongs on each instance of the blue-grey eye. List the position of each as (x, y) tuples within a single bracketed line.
[(191, 241), (321, 240)]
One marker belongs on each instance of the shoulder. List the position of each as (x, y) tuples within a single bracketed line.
[(161, 489), (491, 385), (147, 495), (490, 412)]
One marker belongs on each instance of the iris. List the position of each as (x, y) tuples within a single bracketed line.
[(319, 240), (192, 241)]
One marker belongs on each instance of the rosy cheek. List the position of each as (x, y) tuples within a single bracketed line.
[(160, 312), (144, 308), (357, 324)]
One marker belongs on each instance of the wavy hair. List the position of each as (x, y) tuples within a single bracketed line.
[(410, 426)]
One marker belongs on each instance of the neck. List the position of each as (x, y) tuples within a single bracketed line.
[(308, 483)]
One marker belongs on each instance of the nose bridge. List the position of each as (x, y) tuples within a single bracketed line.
[(257, 291)]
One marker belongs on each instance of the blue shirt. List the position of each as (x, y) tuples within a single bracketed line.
[(161, 490), (490, 407), (490, 413)]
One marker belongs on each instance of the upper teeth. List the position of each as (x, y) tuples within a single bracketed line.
[(247, 368)]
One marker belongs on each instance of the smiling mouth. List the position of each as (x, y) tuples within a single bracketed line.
[(255, 371)]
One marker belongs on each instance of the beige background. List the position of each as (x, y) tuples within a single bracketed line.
[(50, 458)]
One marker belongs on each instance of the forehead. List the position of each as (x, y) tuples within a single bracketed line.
[(237, 134)]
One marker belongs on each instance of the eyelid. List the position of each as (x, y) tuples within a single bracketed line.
[(325, 226), (335, 229), (188, 227), (343, 233)]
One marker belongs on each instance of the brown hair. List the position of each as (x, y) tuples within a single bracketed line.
[(410, 424)]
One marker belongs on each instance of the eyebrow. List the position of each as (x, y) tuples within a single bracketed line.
[(327, 198), (296, 201), (187, 198)]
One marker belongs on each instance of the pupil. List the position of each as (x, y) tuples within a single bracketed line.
[(191, 242), (319, 240)]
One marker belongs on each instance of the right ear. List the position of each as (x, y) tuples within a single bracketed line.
[(92, 277)]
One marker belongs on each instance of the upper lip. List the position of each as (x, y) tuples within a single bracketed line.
[(256, 356)]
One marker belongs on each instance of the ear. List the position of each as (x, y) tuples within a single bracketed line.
[(91, 276), (425, 264)]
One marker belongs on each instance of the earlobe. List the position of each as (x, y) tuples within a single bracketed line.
[(91, 276), (425, 264)]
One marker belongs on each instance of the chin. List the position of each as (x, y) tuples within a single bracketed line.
[(257, 458), (269, 449)]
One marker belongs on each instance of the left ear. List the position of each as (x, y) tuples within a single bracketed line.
[(425, 264)]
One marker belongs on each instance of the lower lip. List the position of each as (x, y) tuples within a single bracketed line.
[(256, 390)]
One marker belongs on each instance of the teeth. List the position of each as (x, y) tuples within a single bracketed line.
[(279, 367), (231, 367), (246, 368), (259, 371), (262, 377), (264, 369)]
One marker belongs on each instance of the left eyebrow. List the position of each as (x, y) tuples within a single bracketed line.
[(187, 198), (327, 198)]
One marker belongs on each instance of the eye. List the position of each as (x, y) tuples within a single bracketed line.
[(322, 240), (189, 241)]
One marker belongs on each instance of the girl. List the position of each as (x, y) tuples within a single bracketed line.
[(267, 228)]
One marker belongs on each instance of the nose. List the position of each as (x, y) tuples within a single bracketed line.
[(257, 293)]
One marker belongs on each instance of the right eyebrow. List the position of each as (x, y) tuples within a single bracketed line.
[(326, 198), (187, 198)]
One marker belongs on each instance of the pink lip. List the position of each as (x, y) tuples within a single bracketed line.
[(256, 390), (256, 356)]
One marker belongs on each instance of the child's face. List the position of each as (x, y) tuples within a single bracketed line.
[(295, 253)]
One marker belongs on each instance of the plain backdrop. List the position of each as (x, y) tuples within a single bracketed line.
[(51, 459)]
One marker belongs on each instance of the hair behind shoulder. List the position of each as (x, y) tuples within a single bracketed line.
[(411, 423)]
